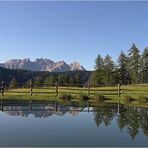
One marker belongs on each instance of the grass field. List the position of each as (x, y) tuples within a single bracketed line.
[(49, 93), (110, 92)]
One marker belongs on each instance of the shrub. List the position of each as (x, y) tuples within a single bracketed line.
[(66, 97), (143, 100), (84, 97), (99, 97), (128, 99)]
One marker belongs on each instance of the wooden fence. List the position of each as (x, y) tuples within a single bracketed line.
[(57, 88)]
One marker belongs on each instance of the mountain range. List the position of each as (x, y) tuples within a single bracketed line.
[(42, 65)]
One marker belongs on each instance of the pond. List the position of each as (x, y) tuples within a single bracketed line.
[(36, 123)]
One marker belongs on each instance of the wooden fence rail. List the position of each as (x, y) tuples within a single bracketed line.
[(58, 88)]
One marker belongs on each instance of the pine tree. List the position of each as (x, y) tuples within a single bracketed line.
[(27, 85), (144, 65), (123, 68), (37, 82), (99, 62), (77, 79), (134, 63), (61, 78), (49, 80), (66, 78), (97, 76), (13, 84), (108, 70)]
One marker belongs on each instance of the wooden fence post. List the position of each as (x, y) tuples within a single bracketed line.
[(30, 105), (31, 88), (88, 105), (56, 106), (88, 89), (119, 90), (56, 85), (2, 87), (2, 105), (118, 107)]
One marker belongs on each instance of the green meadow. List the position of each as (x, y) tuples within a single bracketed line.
[(136, 95)]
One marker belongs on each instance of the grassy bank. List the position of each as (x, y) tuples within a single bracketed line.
[(110, 93)]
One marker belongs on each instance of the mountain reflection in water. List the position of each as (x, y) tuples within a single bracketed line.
[(132, 119)]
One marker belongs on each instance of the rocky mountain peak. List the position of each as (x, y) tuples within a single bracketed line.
[(41, 64), (76, 66), (43, 61)]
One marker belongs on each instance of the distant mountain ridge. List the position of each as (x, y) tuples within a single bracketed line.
[(41, 64)]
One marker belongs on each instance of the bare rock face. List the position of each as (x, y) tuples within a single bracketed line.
[(60, 67), (76, 66), (42, 65)]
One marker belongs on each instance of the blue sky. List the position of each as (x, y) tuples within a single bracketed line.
[(71, 31)]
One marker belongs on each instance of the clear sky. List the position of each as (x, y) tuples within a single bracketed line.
[(71, 31)]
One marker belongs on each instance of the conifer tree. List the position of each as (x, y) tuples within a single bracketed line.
[(123, 68), (134, 63), (108, 70), (145, 65), (37, 82), (97, 76), (13, 84), (49, 80)]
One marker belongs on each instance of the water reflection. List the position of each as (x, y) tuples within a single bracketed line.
[(39, 109), (131, 119)]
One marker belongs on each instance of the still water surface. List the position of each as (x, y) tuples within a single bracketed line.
[(53, 124)]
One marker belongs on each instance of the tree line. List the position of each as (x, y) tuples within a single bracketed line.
[(23, 78), (129, 69)]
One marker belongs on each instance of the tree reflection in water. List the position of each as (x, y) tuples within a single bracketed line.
[(104, 114), (130, 118)]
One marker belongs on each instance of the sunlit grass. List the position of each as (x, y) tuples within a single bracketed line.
[(49, 93)]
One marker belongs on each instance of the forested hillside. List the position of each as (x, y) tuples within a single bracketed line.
[(24, 76)]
